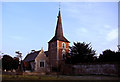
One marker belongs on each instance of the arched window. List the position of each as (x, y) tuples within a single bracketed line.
[(63, 45), (63, 54)]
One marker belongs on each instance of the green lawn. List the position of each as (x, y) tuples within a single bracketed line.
[(61, 77), (28, 77)]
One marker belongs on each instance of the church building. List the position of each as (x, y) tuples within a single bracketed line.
[(58, 46), (52, 61)]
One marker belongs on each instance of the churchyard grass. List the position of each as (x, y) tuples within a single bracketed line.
[(28, 77), (60, 77)]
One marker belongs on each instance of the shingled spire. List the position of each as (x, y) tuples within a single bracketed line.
[(59, 30)]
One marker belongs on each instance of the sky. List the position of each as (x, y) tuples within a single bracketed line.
[(29, 26)]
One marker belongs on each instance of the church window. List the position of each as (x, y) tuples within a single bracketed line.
[(41, 64), (63, 54), (63, 45)]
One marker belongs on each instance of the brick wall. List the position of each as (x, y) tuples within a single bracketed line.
[(60, 48), (55, 52)]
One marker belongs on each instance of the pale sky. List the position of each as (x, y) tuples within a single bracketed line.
[(30, 25)]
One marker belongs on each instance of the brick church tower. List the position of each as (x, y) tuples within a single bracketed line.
[(58, 46)]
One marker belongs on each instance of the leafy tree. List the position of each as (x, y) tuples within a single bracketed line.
[(118, 56), (108, 56), (7, 62), (0, 63), (19, 55), (80, 52), (15, 63)]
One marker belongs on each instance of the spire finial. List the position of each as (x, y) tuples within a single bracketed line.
[(42, 50), (59, 5)]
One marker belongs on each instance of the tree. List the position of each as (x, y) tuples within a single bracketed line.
[(21, 62), (7, 62), (118, 56), (108, 56), (80, 52), (15, 63), (19, 55), (0, 64)]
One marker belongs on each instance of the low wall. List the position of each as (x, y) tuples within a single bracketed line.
[(83, 69)]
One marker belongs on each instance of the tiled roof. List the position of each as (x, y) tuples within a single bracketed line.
[(46, 52), (59, 38), (31, 56)]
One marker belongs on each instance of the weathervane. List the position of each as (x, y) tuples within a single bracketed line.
[(59, 5)]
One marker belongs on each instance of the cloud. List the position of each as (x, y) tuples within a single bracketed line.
[(112, 35), (107, 26), (16, 37), (81, 30), (84, 30), (75, 8)]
